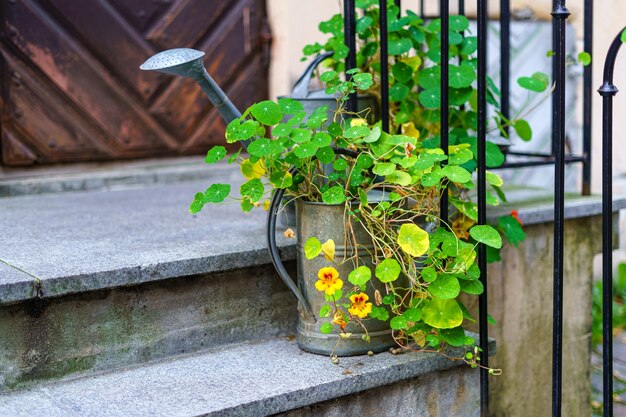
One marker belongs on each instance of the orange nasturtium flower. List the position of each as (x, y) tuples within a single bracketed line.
[(360, 307), (339, 320), (328, 280)]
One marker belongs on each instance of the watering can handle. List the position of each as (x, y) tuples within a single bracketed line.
[(301, 87), (275, 257), (273, 249)]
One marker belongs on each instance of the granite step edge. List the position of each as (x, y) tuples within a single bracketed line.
[(250, 379), (23, 284), (24, 287)]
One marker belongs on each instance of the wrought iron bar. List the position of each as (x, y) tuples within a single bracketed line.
[(550, 161), (535, 154), (349, 31), (462, 7), (384, 67), (444, 88), (559, 15), (422, 14), (505, 60), (587, 98), (482, 203), (608, 91)]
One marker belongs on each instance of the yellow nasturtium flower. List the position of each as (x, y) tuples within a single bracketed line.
[(360, 307), (328, 249), (329, 281)]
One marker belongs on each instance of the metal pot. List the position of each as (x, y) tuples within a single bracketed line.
[(329, 222), (312, 99)]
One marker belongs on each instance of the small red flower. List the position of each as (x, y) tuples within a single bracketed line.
[(515, 214)]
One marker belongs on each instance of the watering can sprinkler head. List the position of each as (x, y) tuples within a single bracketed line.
[(187, 62), (180, 61)]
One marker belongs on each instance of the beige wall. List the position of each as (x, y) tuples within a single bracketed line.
[(294, 24)]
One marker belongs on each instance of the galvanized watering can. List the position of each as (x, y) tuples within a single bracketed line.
[(312, 99), (313, 219)]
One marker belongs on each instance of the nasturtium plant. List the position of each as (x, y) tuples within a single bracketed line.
[(417, 267)]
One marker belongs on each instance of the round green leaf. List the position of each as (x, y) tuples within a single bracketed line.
[(360, 275), (584, 58), (340, 165), (196, 206), (281, 179), (462, 76), (379, 313), (399, 46), (216, 193), (300, 135), (312, 248), (487, 235), (399, 177), (384, 168), (363, 23), (398, 323), (532, 84), (334, 195), (456, 174), (282, 130), (326, 328), (388, 270), (247, 130), (474, 287), (431, 98), (460, 96), (413, 314), (290, 106), (494, 179), (445, 287), (429, 274), (252, 189), (459, 23), (430, 77), (623, 36), (267, 112), (402, 72), (413, 240), (325, 155), (493, 155), (523, 130), (363, 81), (216, 153), (512, 229), (442, 314), (328, 76), (454, 337), (305, 150), (356, 132), (461, 157), (373, 136), (321, 139), (398, 92), (470, 45), (263, 147)]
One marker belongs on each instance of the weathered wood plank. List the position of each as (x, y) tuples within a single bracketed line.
[(107, 36)]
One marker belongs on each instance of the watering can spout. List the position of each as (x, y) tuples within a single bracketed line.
[(188, 63)]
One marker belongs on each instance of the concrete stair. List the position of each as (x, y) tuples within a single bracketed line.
[(114, 300)]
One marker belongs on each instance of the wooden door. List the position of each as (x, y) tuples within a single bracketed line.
[(72, 90)]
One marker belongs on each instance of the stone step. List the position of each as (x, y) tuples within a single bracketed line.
[(96, 280), (91, 176), (271, 377)]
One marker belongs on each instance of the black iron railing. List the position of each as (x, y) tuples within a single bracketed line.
[(608, 91), (556, 156)]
